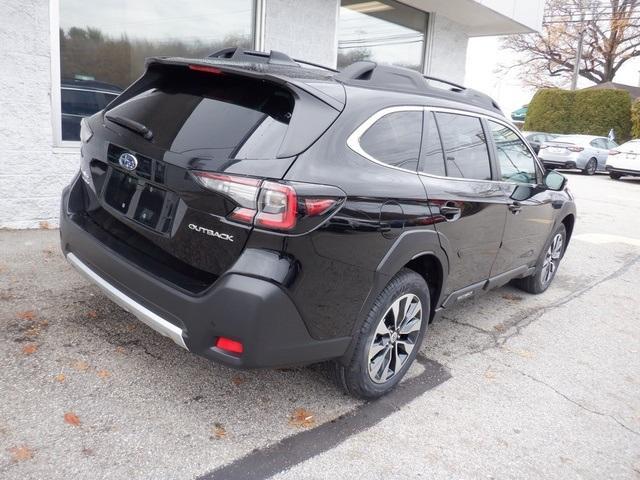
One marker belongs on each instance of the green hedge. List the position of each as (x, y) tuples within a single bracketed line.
[(635, 119), (589, 112)]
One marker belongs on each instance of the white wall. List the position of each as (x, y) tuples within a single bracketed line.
[(32, 175), (446, 49), (304, 30)]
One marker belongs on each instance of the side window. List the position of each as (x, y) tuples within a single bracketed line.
[(516, 162), (597, 143), (431, 156), (395, 139), (465, 146), (79, 102)]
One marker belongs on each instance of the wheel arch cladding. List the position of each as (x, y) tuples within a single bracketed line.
[(569, 221), (429, 267)]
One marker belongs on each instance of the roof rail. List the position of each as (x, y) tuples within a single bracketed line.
[(251, 56), (370, 74)]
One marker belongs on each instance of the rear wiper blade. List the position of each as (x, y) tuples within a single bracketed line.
[(131, 125)]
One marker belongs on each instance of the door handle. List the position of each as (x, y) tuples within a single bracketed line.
[(450, 212), (515, 208)]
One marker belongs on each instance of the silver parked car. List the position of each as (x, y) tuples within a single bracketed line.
[(585, 152)]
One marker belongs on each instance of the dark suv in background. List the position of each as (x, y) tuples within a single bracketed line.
[(264, 212)]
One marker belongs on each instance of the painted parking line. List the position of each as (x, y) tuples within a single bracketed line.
[(266, 462)]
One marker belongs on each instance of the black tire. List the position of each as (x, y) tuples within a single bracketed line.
[(354, 377), (615, 176), (591, 167), (539, 282)]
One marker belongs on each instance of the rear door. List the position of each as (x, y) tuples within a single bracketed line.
[(530, 209), (466, 202), (601, 150)]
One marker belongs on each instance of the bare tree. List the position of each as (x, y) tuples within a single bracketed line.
[(610, 32)]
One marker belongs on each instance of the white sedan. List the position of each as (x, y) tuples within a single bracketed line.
[(626, 162)]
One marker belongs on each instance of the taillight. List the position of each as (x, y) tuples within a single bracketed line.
[(575, 149), (267, 204), (277, 206), (614, 152)]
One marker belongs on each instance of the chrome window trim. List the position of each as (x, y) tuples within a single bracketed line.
[(353, 141)]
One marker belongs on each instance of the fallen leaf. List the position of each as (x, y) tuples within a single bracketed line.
[(72, 419), (525, 353), (219, 431), (80, 365), (29, 349), (238, 380), (120, 350), (88, 452), (21, 453), (27, 315), (302, 418), (499, 327), (131, 327), (60, 377), (92, 314), (44, 225), (104, 373), (489, 373)]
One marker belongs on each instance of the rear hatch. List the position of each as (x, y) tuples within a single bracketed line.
[(188, 145), (560, 147)]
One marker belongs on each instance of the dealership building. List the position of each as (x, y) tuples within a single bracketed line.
[(65, 59)]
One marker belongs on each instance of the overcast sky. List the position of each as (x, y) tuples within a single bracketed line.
[(483, 57)]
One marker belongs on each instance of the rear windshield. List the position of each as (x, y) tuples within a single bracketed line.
[(215, 115), (569, 139), (630, 146)]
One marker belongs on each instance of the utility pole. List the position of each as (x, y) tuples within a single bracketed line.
[(576, 67)]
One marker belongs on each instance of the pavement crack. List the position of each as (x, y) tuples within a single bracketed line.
[(567, 398), (520, 322)]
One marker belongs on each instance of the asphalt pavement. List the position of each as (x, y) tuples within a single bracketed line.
[(508, 385)]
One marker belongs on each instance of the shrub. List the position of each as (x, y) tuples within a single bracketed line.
[(550, 111), (596, 112), (635, 119), (588, 112)]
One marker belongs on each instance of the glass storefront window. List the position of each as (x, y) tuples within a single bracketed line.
[(103, 46), (383, 31)]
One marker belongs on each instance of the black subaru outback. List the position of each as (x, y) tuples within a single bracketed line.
[(265, 212)]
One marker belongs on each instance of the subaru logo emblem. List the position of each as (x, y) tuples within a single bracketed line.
[(128, 161)]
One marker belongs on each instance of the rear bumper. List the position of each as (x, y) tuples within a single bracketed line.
[(559, 164), (623, 171), (255, 311)]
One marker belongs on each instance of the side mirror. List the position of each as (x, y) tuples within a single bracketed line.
[(554, 180)]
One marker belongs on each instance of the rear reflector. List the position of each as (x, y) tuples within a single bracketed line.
[(224, 343)]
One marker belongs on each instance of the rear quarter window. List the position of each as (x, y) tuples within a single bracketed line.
[(394, 139)]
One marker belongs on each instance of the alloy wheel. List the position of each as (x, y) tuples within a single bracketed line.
[(592, 166), (395, 338), (552, 258)]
